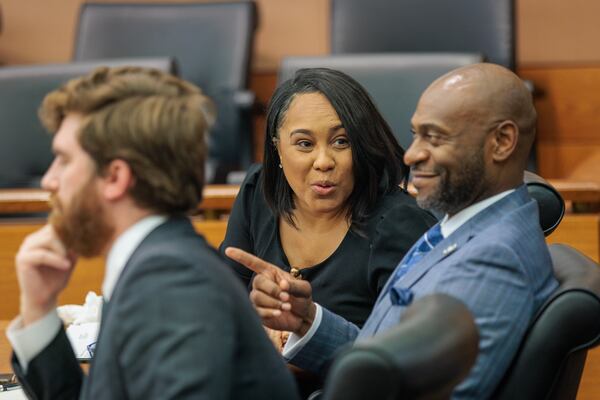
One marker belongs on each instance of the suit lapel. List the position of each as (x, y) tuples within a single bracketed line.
[(462, 235), (444, 249)]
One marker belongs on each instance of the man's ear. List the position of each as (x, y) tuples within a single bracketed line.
[(117, 179), (504, 140)]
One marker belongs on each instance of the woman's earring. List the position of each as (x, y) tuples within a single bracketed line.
[(280, 166)]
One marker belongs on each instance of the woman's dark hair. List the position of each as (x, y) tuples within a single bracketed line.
[(377, 158)]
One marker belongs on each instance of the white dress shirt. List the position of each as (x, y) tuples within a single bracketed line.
[(27, 342), (448, 226)]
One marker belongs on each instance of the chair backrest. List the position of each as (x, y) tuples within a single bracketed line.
[(426, 355), (551, 205), (550, 360), (394, 81), (212, 43), (25, 147), (474, 26)]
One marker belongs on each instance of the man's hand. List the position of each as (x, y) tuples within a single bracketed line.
[(43, 270), (283, 302)]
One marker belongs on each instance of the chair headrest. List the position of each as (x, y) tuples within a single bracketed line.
[(437, 330), (550, 203)]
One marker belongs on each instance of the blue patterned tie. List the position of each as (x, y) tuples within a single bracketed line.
[(427, 242)]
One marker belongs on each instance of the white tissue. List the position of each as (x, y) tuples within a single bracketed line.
[(83, 323), (73, 314)]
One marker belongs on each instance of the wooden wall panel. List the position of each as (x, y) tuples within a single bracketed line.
[(37, 31), (290, 27), (581, 231), (551, 32), (561, 159), (569, 99), (569, 118)]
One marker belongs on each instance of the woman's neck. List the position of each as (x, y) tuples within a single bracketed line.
[(314, 239), (319, 222)]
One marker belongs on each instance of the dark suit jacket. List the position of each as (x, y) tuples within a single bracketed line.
[(179, 325)]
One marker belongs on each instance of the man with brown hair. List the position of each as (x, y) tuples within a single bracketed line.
[(129, 148)]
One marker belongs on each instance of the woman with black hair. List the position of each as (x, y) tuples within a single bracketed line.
[(329, 203)]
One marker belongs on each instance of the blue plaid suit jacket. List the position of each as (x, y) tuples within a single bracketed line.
[(497, 263)]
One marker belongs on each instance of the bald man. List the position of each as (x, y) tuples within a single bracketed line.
[(473, 129)]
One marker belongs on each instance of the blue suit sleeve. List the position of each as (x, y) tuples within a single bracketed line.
[(333, 333)]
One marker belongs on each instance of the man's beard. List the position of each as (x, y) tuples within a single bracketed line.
[(82, 226), (458, 191)]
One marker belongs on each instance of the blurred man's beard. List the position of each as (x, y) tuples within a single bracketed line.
[(82, 227)]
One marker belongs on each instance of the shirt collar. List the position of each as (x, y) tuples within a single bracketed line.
[(124, 247), (449, 225)]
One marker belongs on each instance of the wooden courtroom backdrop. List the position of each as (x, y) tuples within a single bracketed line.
[(556, 48)]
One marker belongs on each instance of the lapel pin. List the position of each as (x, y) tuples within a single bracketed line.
[(449, 249)]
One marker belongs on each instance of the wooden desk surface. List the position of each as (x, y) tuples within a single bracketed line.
[(579, 192), (221, 197), (215, 197)]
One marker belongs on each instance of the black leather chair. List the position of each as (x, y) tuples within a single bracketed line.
[(394, 81), (25, 147), (550, 203), (425, 356), (473, 26), (212, 43), (552, 355)]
